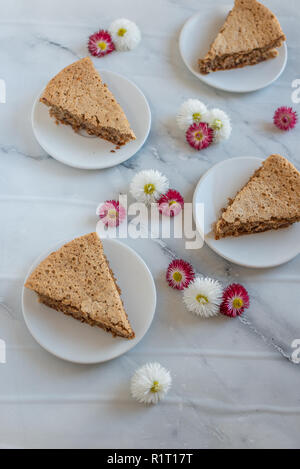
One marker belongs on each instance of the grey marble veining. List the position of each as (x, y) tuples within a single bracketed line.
[(233, 382)]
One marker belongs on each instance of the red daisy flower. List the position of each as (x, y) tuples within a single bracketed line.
[(171, 203), (285, 118), (179, 274), (112, 213), (100, 43), (199, 135), (235, 300)]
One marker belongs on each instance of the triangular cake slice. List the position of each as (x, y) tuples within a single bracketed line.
[(78, 281), (270, 200), (250, 34), (78, 97)]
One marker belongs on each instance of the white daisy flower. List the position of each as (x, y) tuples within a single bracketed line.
[(220, 123), (191, 112), (150, 383), (203, 297), (148, 185), (125, 34)]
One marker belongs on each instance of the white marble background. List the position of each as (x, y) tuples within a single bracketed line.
[(234, 385)]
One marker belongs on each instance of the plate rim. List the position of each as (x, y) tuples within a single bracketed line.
[(202, 77), (209, 244), (94, 167), (133, 342)]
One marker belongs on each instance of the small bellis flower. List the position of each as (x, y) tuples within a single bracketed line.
[(125, 34), (179, 274), (100, 44), (150, 383)]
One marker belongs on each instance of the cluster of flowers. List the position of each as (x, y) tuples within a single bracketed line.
[(205, 297), (148, 186), (122, 35), (202, 127)]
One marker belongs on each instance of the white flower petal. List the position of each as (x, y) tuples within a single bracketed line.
[(148, 177), (131, 34), (190, 112), (149, 376), (215, 117), (209, 293)]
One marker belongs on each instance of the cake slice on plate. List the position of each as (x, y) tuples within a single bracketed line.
[(78, 97), (250, 34), (78, 281), (270, 200)]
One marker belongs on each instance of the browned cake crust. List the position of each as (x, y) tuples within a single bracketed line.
[(77, 97), (269, 201), (223, 230), (250, 35), (76, 314), (78, 281), (238, 60)]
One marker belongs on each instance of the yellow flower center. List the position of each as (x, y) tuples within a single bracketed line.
[(199, 136), (102, 45), (197, 117), (122, 32), (217, 124), (177, 276), (202, 299), (112, 213), (149, 188), (237, 303), (171, 202), (155, 386)]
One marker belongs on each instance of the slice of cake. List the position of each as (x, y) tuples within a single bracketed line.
[(77, 281), (270, 200), (78, 97), (250, 34)]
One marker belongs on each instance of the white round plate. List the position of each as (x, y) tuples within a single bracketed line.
[(259, 250), (76, 342), (195, 38), (88, 152)]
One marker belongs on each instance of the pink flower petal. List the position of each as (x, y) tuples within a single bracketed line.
[(235, 300), (100, 43), (111, 213), (200, 135), (171, 203), (285, 118), (179, 274)]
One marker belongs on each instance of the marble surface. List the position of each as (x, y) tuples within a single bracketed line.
[(233, 382)]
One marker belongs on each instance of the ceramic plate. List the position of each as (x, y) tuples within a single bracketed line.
[(73, 341), (259, 250), (88, 152), (195, 38)]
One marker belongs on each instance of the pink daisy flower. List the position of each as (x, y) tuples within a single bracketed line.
[(179, 274), (199, 135), (171, 203), (100, 43), (235, 300), (285, 118), (112, 213)]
